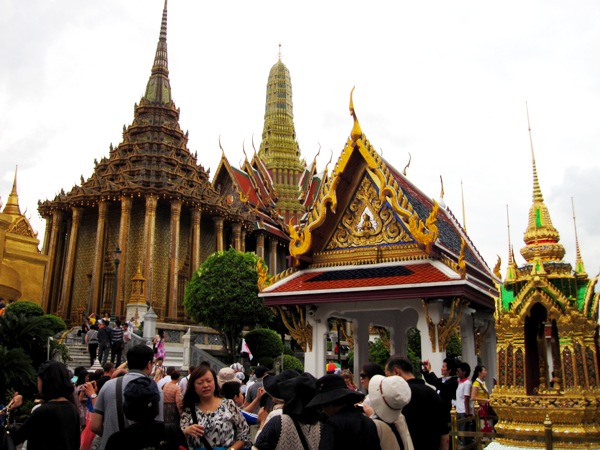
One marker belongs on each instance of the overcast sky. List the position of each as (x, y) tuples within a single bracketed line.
[(444, 81)]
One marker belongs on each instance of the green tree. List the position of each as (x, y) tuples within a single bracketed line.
[(16, 370), (292, 363), (378, 353), (454, 348), (223, 294)]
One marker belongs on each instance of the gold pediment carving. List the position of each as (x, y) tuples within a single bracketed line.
[(368, 221), (22, 227)]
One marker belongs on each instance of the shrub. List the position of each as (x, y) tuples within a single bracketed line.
[(29, 309), (55, 323), (288, 351), (265, 361), (264, 342), (378, 353), (292, 363)]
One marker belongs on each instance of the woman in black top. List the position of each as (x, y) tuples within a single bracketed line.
[(55, 423)]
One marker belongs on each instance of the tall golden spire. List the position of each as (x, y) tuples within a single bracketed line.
[(158, 89), (12, 204), (511, 270), (541, 238), (579, 267)]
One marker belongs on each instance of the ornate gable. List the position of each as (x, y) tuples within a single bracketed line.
[(368, 221), (337, 231)]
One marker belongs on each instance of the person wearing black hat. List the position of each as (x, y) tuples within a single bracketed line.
[(345, 426), (141, 405), (298, 426)]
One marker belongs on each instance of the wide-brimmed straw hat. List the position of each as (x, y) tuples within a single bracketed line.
[(388, 395), (333, 388)]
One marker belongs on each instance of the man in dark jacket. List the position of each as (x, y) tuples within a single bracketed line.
[(425, 413)]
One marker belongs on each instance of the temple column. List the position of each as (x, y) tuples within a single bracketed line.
[(314, 358), (488, 352), (57, 217), (98, 256), (219, 230), (174, 259), (272, 256), (260, 246), (123, 235), (467, 337), (47, 234), (243, 240), (430, 349), (237, 234), (360, 332), (196, 216), (149, 232), (65, 296)]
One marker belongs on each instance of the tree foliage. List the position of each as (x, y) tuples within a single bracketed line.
[(454, 348), (378, 353), (292, 363), (264, 342), (223, 294), (24, 333)]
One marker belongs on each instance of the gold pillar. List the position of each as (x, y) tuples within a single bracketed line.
[(260, 246), (196, 216), (47, 235), (65, 301), (123, 235), (149, 232), (57, 216), (99, 256), (219, 229), (272, 256), (237, 238), (174, 259), (243, 240)]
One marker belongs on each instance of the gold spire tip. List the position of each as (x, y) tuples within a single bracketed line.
[(356, 131)]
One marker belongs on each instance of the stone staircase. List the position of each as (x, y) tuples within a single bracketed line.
[(80, 356)]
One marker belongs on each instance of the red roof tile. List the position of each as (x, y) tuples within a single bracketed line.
[(417, 274)]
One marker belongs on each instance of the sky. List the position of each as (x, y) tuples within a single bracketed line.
[(444, 82)]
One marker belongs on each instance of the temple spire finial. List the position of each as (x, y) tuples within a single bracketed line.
[(579, 267), (356, 131), (279, 52), (462, 194), (158, 89), (537, 192), (12, 203)]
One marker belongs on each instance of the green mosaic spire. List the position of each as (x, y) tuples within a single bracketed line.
[(279, 149)]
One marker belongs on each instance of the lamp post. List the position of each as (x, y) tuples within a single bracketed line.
[(117, 254)]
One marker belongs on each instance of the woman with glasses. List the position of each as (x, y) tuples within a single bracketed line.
[(369, 370)]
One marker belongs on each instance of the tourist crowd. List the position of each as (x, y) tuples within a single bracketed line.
[(142, 405)]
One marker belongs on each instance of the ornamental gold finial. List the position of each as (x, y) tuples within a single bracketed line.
[(12, 203), (497, 267), (279, 53), (579, 267), (442, 190), (537, 192), (244, 150), (318, 153), (407, 165), (356, 131), (510, 258), (253, 147), (464, 214), (221, 147)]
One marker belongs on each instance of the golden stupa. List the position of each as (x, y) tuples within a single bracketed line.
[(547, 343)]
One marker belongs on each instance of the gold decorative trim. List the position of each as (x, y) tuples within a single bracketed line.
[(295, 321), (264, 280)]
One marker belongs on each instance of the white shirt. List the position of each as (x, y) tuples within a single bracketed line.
[(463, 390), (163, 381)]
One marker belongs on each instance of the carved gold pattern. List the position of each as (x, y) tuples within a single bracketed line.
[(22, 227), (263, 275), (462, 262), (448, 326), (367, 222), (347, 332), (430, 327), (389, 192), (295, 321)]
